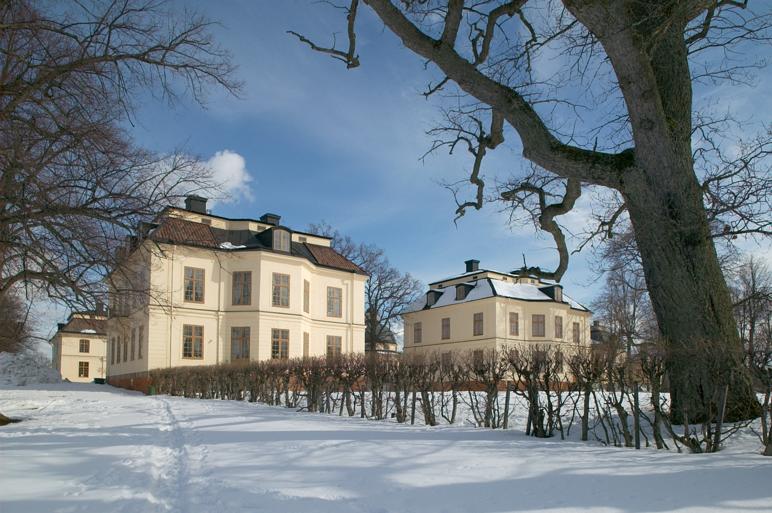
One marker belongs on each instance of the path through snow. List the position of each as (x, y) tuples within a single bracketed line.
[(91, 448)]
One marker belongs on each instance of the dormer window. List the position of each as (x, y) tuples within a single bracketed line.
[(281, 240), (553, 291), (432, 296), (462, 290)]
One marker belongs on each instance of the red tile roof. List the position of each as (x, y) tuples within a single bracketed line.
[(331, 258), (180, 231)]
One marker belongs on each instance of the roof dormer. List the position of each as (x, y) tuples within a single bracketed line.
[(432, 297), (462, 289), (554, 291), (281, 240)]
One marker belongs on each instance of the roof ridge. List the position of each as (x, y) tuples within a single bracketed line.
[(248, 219)]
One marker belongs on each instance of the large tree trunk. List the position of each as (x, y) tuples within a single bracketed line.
[(664, 200), (688, 293)]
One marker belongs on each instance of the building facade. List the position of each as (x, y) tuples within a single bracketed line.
[(199, 289), (384, 343), (483, 309), (79, 347)]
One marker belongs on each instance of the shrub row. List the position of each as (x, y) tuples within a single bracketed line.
[(596, 389)]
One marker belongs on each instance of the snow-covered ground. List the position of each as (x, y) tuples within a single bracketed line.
[(84, 448)]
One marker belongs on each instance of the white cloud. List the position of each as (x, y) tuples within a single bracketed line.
[(229, 170)]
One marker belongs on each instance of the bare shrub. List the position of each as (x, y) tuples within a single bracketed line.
[(425, 370), (601, 386), (451, 379), (487, 368), (761, 366), (539, 377), (586, 367)]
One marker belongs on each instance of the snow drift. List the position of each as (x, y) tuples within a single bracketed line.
[(26, 369)]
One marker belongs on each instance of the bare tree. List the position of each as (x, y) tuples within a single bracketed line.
[(451, 379), (637, 61), (388, 291), (761, 366), (752, 293), (623, 304), (74, 185), (15, 326)]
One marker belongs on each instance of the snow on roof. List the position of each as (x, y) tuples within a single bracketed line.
[(519, 291), (481, 290), (416, 305), (230, 245), (486, 288), (88, 331), (448, 297), (575, 304)]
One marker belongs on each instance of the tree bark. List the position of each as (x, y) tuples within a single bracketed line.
[(645, 44), (688, 292), (586, 413), (664, 199)]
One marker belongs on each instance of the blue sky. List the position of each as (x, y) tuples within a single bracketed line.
[(312, 141), (321, 142)]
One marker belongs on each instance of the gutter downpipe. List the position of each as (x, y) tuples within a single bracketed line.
[(171, 304)]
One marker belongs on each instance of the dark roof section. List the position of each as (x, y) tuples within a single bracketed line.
[(330, 258), (78, 324), (209, 214), (179, 231)]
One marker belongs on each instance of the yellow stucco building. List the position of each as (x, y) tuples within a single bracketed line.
[(79, 347), (482, 309), (200, 289)]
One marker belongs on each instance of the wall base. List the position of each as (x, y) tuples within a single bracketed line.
[(139, 381)]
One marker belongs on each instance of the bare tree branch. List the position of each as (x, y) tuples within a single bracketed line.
[(349, 57), (539, 145), (507, 9), (546, 218), (452, 22)]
